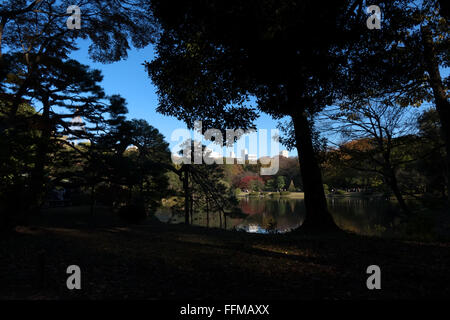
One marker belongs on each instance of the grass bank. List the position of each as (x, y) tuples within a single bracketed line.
[(288, 195)]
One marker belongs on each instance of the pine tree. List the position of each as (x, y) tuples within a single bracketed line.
[(291, 186)]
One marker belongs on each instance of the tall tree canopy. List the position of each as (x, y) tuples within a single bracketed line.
[(37, 29), (290, 55), (295, 58), (405, 59)]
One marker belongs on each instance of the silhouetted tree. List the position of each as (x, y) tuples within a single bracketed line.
[(405, 58), (37, 29), (384, 127), (203, 181), (432, 163), (289, 55)]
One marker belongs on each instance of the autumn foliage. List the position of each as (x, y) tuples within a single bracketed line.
[(248, 182)]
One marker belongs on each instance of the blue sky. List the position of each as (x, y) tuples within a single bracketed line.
[(129, 79)]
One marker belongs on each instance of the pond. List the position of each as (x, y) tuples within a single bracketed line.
[(370, 216)]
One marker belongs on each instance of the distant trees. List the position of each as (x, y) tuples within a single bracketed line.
[(292, 187), (413, 152), (382, 129), (253, 183), (281, 183)]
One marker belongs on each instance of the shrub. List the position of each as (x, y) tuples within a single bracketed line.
[(253, 183), (291, 186), (254, 194)]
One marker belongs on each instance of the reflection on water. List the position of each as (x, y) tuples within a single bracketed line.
[(363, 216), (271, 215)]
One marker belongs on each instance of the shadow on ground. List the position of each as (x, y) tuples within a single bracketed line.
[(159, 261)]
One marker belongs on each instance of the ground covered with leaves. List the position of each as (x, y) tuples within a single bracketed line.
[(160, 261)]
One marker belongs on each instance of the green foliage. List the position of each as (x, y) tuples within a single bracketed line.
[(256, 185), (270, 185), (281, 182)]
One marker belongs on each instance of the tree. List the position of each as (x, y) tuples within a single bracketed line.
[(281, 183), (138, 173), (432, 161), (61, 91), (432, 63), (124, 165), (405, 58), (270, 185), (253, 183), (374, 133), (35, 69), (16, 164), (58, 89), (292, 186), (203, 183), (38, 28), (288, 55)]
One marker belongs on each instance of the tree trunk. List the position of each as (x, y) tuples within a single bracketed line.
[(37, 183), (191, 211), (317, 218), (186, 196), (2, 26), (225, 221), (440, 96), (207, 213), (391, 180), (92, 199)]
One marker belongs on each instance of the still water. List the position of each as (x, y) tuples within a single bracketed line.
[(359, 215)]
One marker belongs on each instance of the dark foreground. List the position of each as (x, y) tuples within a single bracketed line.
[(158, 261)]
